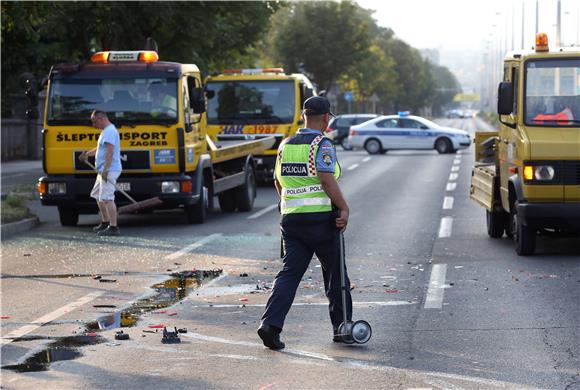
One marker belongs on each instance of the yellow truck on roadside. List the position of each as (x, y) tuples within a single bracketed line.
[(527, 174), (166, 151), (257, 103)]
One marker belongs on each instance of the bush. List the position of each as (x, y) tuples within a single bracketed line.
[(491, 118), (14, 209)]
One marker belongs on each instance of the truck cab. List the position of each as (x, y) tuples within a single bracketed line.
[(527, 175), (255, 103)]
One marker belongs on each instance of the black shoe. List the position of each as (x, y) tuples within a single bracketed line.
[(335, 338), (270, 336), (110, 231), (101, 226)]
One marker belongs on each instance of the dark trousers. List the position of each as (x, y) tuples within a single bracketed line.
[(302, 237)]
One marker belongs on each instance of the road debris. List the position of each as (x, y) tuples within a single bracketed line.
[(170, 337)]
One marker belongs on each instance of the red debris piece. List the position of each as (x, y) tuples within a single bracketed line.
[(5, 317), (391, 291), (160, 312), (172, 314), (91, 334), (243, 299), (159, 326)]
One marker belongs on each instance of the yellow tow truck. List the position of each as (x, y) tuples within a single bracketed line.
[(527, 174), (256, 103), (165, 149)]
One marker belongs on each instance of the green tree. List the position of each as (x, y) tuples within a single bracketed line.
[(447, 87), (212, 35), (322, 39)]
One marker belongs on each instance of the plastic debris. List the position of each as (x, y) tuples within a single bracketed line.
[(5, 317), (182, 330), (159, 326), (108, 280), (458, 267), (243, 299), (91, 334), (170, 337), (27, 255), (392, 291), (120, 335), (174, 313), (97, 277), (243, 275), (105, 306)]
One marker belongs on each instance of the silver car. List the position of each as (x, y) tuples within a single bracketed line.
[(392, 132)]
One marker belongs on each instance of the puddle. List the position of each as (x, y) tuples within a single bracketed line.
[(164, 294), (66, 348)]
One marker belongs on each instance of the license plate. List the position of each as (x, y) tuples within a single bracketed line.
[(124, 186)]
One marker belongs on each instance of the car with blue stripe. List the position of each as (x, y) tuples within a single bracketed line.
[(403, 131)]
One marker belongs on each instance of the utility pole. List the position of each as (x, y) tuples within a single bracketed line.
[(559, 25), (523, 21), (537, 16)]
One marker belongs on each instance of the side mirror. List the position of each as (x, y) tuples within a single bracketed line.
[(197, 101), (505, 98), (209, 93)]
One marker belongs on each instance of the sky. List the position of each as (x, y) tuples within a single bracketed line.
[(474, 24)]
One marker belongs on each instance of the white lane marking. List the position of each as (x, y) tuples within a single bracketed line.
[(448, 203), (456, 161), (453, 176), (193, 246), (50, 317), (445, 227), (434, 299), (263, 211), (386, 303), (455, 168), (354, 166), (366, 159), (359, 364), (451, 186)]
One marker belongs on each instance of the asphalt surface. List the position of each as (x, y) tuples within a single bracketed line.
[(450, 308)]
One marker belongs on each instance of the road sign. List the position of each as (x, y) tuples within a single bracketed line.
[(466, 97), (348, 96)]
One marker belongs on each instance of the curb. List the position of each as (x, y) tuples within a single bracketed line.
[(12, 228)]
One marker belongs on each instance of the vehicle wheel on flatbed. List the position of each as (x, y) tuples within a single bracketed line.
[(496, 223), (444, 146), (524, 236), (373, 146), (246, 193), (197, 213), (227, 201), (68, 216)]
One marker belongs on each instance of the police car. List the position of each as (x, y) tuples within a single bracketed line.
[(404, 131)]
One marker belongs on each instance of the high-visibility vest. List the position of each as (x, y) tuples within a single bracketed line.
[(296, 172)]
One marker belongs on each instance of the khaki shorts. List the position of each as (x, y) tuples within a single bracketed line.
[(105, 191)]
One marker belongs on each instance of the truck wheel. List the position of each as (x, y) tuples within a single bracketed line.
[(443, 146), (373, 146), (246, 193), (67, 216), (524, 236), (496, 223), (197, 213), (227, 200)]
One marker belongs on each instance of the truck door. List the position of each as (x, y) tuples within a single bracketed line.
[(508, 136)]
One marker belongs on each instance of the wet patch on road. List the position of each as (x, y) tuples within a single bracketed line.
[(66, 348), (165, 294)]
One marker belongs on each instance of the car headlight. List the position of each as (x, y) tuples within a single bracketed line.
[(169, 187), (539, 172), (57, 188)]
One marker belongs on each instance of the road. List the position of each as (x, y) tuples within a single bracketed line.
[(450, 308)]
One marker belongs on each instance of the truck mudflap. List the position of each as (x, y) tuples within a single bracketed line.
[(483, 184), (564, 216)]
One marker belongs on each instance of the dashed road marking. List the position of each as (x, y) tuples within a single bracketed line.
[(448, 203), (453, 176), (354, 166), (445, 227), (455, 168), (451, 186), (434, 299), (366, 159), (50, 317), (263, 211), (193, 246)]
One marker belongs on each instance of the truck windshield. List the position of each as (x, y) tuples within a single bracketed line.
[(244, 102), (126, 100), (552, 93)]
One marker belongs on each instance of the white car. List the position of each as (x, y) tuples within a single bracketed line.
[(403, 131)]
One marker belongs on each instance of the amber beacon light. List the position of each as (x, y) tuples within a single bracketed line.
[(542, 42)]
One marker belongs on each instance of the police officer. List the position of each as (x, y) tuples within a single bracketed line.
[(306, 180)]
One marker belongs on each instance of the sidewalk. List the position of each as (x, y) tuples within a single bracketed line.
[(19, 166)]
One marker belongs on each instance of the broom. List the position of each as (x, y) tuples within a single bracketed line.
[(135, 206)]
